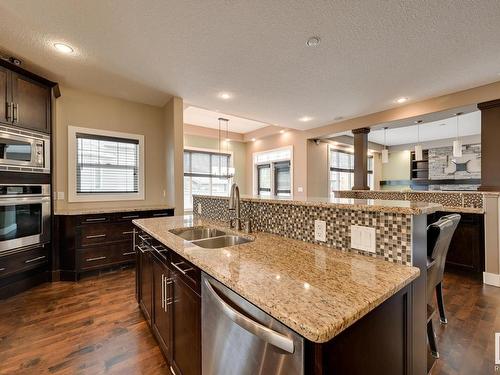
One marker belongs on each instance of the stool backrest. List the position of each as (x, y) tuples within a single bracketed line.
[(439, 235)]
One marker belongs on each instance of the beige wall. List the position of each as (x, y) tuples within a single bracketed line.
[(298, 141), (317, 170), (84, 109), (238, 150)]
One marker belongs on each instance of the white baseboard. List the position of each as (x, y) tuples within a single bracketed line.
[(491, 279)]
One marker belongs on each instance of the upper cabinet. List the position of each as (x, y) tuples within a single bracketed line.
[(25, 100)]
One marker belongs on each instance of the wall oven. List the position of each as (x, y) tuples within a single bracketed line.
[(24, 215), (24, 151)]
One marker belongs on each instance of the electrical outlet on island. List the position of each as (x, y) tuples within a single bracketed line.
[(320, 230)]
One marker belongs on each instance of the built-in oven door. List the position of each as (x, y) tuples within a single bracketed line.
[(24, 221), (16, 149)]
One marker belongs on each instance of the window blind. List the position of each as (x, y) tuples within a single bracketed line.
[(106, 164), (282, 177)]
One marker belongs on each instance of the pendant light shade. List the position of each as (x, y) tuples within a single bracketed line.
[(457, 143), (419, 156), (385, 151)]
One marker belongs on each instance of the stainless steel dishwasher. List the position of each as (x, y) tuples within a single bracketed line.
[(238, 338)]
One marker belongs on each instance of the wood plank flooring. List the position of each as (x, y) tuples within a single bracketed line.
[(95, 327), (466, 344), (90, 327)]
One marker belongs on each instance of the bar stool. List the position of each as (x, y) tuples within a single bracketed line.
[(440, 257), (439, 237)]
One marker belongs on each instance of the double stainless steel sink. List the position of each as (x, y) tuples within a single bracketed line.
[(209, 238)]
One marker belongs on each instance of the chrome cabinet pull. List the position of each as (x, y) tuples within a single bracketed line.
[(184, 272), (268, 335), (128, 232), (130, 217), (94, 259), (9, 111), (15, 112), (168, 299), (143, 249), (34, 259), (95, 219), (129, 253), (162, 291), (2, 269), (144, 238), (158, 248), (160, 214), (96, 236)]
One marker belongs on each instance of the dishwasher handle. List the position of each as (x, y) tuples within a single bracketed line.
[(266, 334)]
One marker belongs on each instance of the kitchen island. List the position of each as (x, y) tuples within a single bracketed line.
[(341, 303)]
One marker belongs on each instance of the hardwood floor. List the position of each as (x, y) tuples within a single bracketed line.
[(95, 327), (90, 327), (466, 344)]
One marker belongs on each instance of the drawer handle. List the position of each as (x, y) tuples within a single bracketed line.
[(161, 214), (2, 269), (143, 249), (128, 232), (129, 253), (96, 236), (158, 248), (96, 219), (94, 259), (34, 259), (130, 217), (184, 272), (144, 238)]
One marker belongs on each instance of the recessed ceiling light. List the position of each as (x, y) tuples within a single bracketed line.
[(63, 48), (401, 100), (282, 131), (313, 41), (253, 139), (305, 119), (225, 95)]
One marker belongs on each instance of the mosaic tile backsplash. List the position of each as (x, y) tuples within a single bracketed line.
[(393, 231), (450, 199)]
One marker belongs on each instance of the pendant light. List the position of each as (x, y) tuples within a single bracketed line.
[(457, 143), (229, 171), (385, 151), (418, 147)]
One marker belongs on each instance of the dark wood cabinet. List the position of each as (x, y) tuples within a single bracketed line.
[(25, 101), (96, 242), (23, 269), (176, 313), (186, 348), (466, 250), (162, 305)]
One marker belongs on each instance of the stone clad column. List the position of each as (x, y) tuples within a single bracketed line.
[(490, 145), (361, 159)]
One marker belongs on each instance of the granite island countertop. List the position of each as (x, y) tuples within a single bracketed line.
[(315, 290)]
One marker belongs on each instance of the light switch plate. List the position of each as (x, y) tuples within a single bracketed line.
[(363, 238), (300, 189), (320, 230)]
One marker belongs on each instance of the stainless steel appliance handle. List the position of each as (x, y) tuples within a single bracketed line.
[(266, 334), (17, 200)]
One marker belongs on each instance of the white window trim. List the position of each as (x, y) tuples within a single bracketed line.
[(255, 164), (95, 197)]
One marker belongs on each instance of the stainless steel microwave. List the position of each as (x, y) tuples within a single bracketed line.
[(24, 151)]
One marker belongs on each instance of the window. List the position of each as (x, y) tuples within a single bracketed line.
[(342, 170), (273, 172), (104, 165), (202, 177)]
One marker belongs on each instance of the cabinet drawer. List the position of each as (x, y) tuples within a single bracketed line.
[(105, 255), (187, 272), (23, 261), (102, 233)]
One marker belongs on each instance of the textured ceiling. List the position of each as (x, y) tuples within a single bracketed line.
[(371, 52)]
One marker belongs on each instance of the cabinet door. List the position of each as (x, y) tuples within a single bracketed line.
[(31, 103), (186, 349), (146, 285), (5, 98), (162, 310)]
